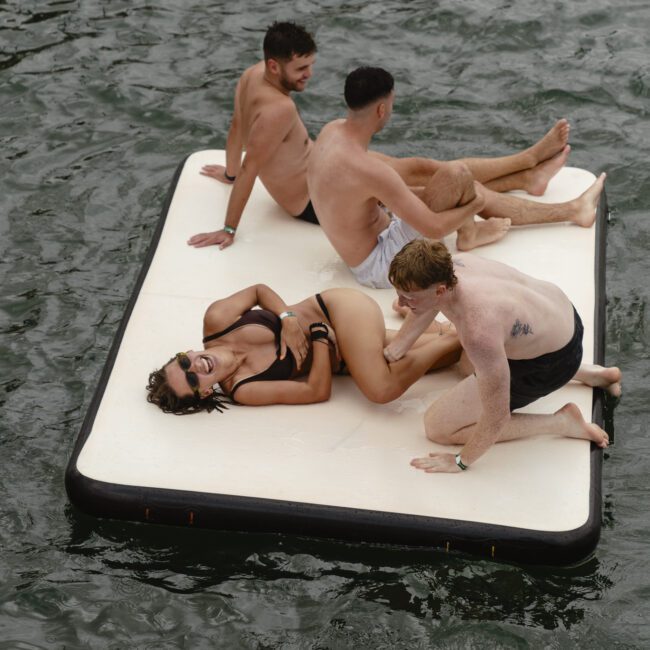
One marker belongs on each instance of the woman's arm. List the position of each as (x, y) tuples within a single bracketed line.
[(317, 388), (222, 313)]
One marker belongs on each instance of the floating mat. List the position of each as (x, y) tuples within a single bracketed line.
[(339, 469)]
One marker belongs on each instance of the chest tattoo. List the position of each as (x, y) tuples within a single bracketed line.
[(520, 329)]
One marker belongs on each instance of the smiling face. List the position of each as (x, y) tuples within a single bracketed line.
[(205, 368), (294, 74)]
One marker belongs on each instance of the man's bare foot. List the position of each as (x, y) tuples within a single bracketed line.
[(482, 233), (551, 144), (576, 427), (608, 379), (538, 177), (585, 205)]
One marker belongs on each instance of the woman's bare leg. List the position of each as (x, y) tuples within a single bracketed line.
[(361, 337)]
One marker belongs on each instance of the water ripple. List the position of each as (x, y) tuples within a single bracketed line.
[(99, 103)]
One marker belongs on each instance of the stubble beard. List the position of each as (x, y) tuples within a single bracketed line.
[(290, 86)]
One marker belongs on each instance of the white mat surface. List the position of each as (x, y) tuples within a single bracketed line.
[(346, 452)]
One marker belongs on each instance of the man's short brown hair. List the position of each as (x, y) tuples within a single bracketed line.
[(420, 264), (284, 40)]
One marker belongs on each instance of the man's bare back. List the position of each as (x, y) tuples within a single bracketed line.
[(530, 316), (341, 175)]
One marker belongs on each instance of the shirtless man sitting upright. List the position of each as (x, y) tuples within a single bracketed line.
[(266, 123), (357, 194)]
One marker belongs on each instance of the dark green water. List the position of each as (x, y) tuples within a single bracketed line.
[(99, 101)]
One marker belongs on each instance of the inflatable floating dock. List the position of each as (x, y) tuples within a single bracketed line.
[(339, 469)]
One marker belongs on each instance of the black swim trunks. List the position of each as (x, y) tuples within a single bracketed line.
[(308, 214), (531, 379)]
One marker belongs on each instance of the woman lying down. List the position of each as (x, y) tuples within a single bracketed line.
[(286, 354)]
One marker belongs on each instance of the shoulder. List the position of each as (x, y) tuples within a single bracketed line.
[(253, 73), (217, 317), (329, 131), (381, 176), (212, 320), (480, 328)]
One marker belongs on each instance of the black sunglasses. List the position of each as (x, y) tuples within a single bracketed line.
[(192, 379)]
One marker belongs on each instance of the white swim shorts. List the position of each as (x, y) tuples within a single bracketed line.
[(373, 271)]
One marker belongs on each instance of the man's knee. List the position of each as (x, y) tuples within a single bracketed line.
[(452, 185), (434, 424), (457, 170), (437, 434)]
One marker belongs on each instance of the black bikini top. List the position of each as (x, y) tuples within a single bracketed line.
[(280, 368)]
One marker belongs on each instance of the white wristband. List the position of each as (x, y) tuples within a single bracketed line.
[(286, 314)]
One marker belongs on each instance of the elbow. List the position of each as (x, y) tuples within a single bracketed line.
[(319, 391), (435, 230), (323, 393)]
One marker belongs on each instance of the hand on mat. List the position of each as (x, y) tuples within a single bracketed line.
[(218, 172), (294, 338), (437, 462), (218, 238)]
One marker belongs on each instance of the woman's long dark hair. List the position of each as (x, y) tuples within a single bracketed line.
[(161, 394)]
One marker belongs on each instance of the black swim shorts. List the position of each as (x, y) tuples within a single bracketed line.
[(308, 214), (531, 379)]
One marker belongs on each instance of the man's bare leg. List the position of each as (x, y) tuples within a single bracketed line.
[(581, 211), (609, 379), (452, 418), (566, 422), (529, 170), (533, 181), (452, 186)]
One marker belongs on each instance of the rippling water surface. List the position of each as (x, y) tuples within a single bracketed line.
[(99, 101)]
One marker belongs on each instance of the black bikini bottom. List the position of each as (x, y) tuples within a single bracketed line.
[(308, 214), (342, 366)]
